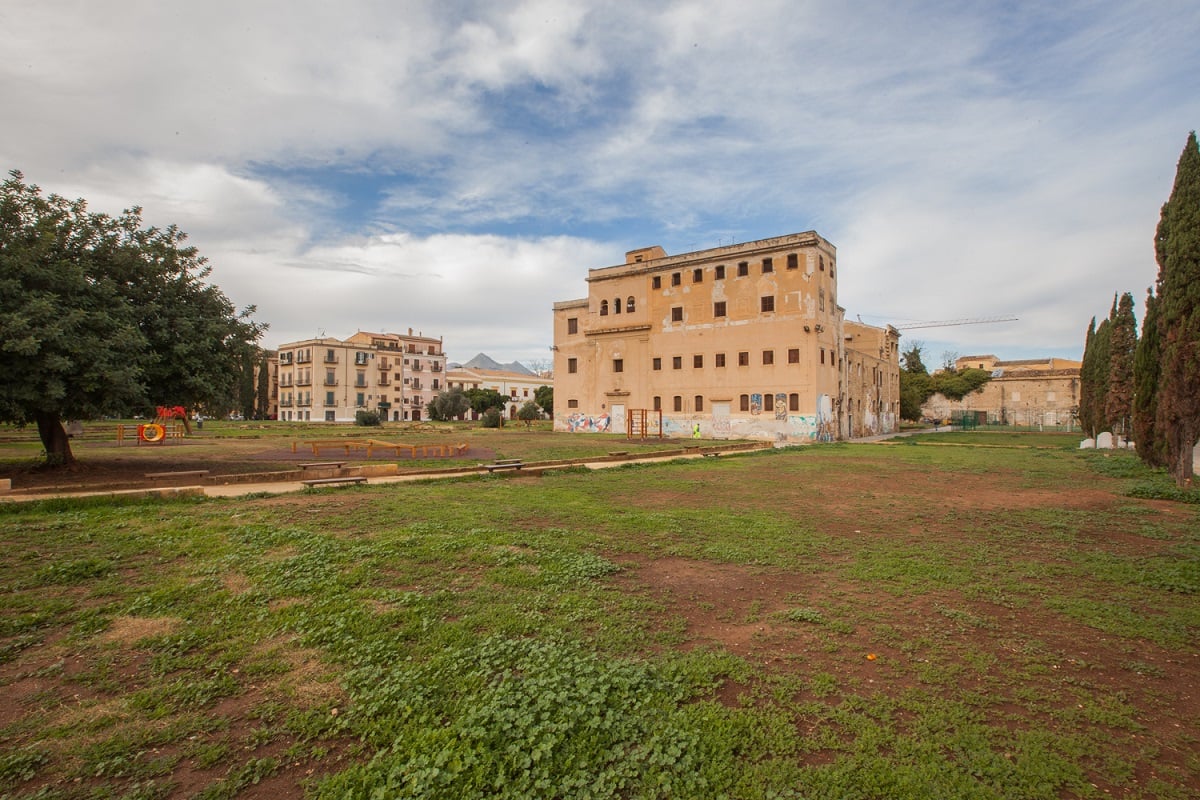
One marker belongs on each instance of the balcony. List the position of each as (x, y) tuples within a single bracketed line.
[(331, 358), (303, 358), (416, 367), (436, 368), (383, 380), (304, 381), (306, 402), (331, 382), (285, 403), (285, 382), (384, 364)]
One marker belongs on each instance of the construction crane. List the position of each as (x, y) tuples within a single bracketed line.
[(949, 322)]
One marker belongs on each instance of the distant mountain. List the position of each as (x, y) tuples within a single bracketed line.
[(484, 361)]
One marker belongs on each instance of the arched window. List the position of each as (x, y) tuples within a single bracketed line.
[(678, 402), (657, 403), (617, 306), (604, 308), (698, 400), (629, 305), (744, 402)]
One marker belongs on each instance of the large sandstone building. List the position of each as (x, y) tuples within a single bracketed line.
[(1031, 392), (744, 341), (330, 380)]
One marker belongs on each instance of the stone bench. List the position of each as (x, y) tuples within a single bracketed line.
[(331, 481)]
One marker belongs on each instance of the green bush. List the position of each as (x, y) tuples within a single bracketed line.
[(491, 418), (369, 418)]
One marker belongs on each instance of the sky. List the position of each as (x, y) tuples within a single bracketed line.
[(457, 167)]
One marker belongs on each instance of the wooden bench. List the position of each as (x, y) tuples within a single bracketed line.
[(330, 481), (619, 453), (191, 473), (323, 465), (505, 463)]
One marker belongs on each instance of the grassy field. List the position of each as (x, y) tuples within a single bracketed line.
[(954, 615)]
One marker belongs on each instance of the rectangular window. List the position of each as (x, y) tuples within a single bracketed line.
[(697, 362), (793, 402), (572, 404), (329, 401), (768, 357), (573, 325), (698, 401), (677, 362), (768, 265), (572, 365), (743, 269), (793, 261), (719, 308), (822, 355), (677, 314), (744, 403), (676, 278), (360, 399), (768, 401), (744, 358), (767, 303), (719, 272), (719, 359), (697, 275), (657, 403), (793, 355), (656, 282), (618, 365), (678, 403), (656, 364)]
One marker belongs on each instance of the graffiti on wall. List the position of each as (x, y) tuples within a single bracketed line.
[(781, 406), (756, 403), (582, 423)]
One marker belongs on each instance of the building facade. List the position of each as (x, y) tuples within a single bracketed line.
[(330, 379), (518, 387), (744, 341), (1031, 392)]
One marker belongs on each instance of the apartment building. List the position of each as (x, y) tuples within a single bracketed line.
[(744, 341), (1028, 392), (330, 380), (518, 387)]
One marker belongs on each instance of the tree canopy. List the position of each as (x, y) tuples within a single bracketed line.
[(1177, 250), (101, 316)]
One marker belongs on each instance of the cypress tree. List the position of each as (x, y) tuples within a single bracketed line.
[(1118, 405), (1086, 386), (1101, 346), (1146, 375), (1177, 248)]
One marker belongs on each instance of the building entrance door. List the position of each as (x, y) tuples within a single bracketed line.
[(617, 421), (720, 412)]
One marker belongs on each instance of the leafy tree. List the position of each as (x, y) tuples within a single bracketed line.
[(1177, 250), (492, 417), (1118, 404), (529, 412), (544, 395), (1146, 375), (914, 383), (450, 404), (483, 399), (957, 384), (100, 316)]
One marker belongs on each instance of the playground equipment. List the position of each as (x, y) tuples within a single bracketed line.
[(170, 422)]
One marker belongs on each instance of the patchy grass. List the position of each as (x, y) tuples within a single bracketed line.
[(986, 619)]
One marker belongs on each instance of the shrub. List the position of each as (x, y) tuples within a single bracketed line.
[(491, 418), (362, 417)]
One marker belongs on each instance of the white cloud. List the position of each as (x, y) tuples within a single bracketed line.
[(968, 161)]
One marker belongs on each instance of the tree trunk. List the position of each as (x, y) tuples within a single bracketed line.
[(1181, 470), (54, 440)]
